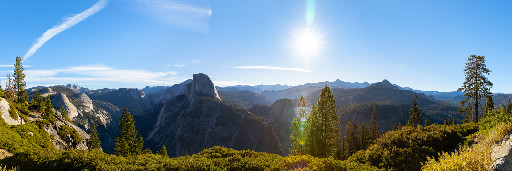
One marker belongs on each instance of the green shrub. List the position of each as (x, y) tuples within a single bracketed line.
[(406, 149), (216, 158), (13, 113), (65, 133), (19, 138)]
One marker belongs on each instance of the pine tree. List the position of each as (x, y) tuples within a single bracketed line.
[(36, 104), (312, 136), (415, 118), (128, 144), (64, 114), (163, 151), (298, 133), (48, 111), (10, 93), (94, 142), (351, 140), (19, 82), (364, 137), (374, 128), (329, 124), (489, 105), (476, 86), (427, 122)]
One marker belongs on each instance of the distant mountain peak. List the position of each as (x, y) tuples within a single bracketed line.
[(201, 85), (386, 82)]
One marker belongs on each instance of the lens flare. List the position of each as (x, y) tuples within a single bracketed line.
[(307, 43)]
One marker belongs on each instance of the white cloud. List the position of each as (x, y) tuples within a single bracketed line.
[(180, 65), (178, 13), (96, 75), (68, 23), (273, 68), (195, 61)]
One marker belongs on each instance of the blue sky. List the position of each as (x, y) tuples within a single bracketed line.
[(134, 43)]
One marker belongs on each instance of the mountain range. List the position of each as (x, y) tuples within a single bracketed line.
[(195, 114)]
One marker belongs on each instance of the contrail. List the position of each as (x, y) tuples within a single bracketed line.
[(68, 23)]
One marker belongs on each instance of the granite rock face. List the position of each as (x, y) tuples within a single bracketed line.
[(201, 85), (198, 120), (4, 113), (61, 100)]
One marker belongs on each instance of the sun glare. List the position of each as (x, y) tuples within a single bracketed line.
[(307, 43)]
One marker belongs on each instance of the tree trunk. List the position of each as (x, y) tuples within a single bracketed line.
[(476, 107)]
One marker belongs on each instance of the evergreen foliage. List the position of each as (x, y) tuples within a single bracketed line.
[(374, 127), (489, 105), (37, 103), (69, 135), (298, 136), (64, 114), (93, 142), (415, 118), (128, 144), (427, 122), (48, 110), (163, 151), (215, 158), (19, 82), (325, 131), (408, 148), (475, 87)]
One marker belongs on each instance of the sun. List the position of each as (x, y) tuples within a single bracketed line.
[(307, 43)]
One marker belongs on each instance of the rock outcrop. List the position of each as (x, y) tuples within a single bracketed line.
[(61, 100), (502, 154), (4, 112), (201, 85)]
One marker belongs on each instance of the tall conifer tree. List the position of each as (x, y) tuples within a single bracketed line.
[(329, 127), (19, 82), (415, 118), (476, 86), (489, 105), (94, 142), (128, 143), (374, 127)]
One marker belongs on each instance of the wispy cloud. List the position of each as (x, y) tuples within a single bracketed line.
[(68, 23), (228, 83), (98, 74), (273, 68), (12, 66), (180, 65), (183, 13), (195, 61)]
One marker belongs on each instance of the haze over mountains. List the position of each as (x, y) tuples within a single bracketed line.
[(195, 115)]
